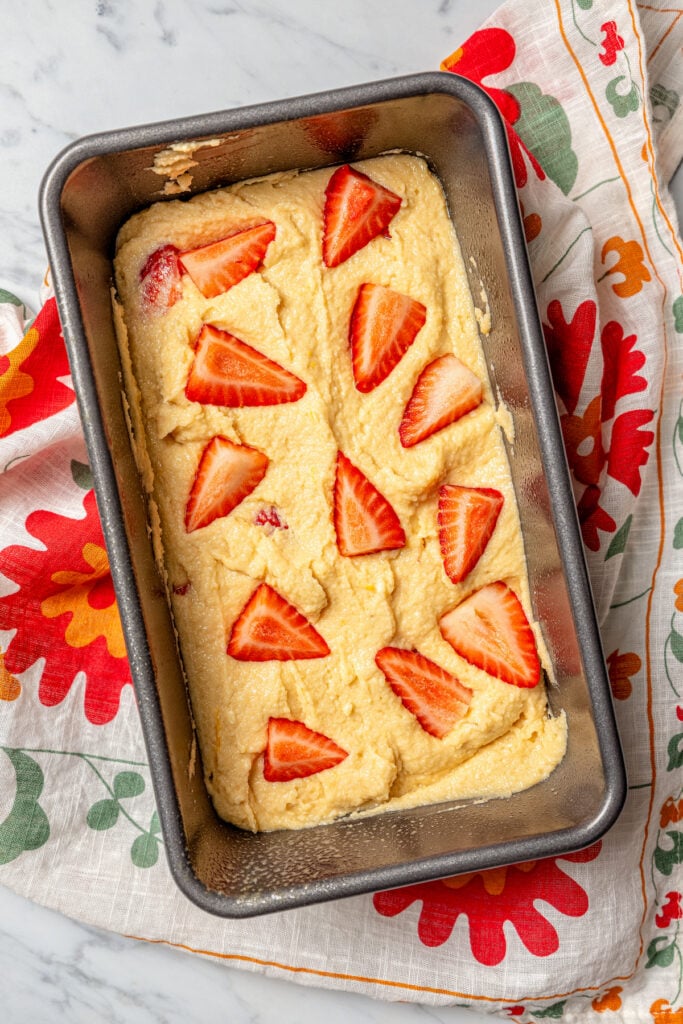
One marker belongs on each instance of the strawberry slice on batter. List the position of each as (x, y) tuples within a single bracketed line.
[(226, 474), (384, 324), (445, 391), (216, 267), (160, 279), (467, 517), (364, 520), (293, 751), (269, 628), (491, 631), (227, 371), (434, 696), (357, 209)]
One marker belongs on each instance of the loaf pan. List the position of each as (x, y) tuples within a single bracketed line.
[(89, 191)]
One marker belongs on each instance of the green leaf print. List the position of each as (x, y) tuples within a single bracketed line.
[(554, 1012), (666, 860), (544, 129), (8, 297), (659, 954), (676, 644), (678, 535), (145, 851), (664, 103), (26, 827), (675, 751), (128, 784), (620, 539), (678, 314), (622, 104), (103, 815), (82, 476), (585, 5)]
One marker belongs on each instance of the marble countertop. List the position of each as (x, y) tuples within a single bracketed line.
[(79, 67)]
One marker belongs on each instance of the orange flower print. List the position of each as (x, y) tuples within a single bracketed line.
[(64, 612), (663, 1013), (29, 386), (489, 900), (89, 598), (10, 688), (621, 667), (678, 591), (630, 264), (609, 1000), (671, 812), (583, 442)]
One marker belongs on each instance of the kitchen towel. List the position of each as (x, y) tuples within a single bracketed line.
[(591, 93)]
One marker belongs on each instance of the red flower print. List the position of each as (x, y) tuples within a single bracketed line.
[(627, 452), (621, 667), (491, 898), (569, 347), (65, 612), (583, 443), (29, 386), (678, 591), (671, 910), (488, 52), (620, 367), (611, 44), (593, 517)]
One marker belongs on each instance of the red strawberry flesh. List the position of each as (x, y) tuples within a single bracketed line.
[(467, 517), (384, 324), (293, 751), (357, 209), (226, 474), (364, 520), (218, 266), (269, 628), (160, 279), (228, 372), (434, 696), (491, 631), (445, 391)]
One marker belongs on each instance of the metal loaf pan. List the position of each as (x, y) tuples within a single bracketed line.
[(87, 194)]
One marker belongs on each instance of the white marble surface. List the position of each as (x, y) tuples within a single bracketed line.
[(71, 67)]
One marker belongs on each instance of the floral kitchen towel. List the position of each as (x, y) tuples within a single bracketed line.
[(591, 93)]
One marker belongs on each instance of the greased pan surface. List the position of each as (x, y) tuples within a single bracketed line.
[(87, 194)]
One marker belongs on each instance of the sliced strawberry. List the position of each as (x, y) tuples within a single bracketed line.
[(271, 519), (434, 696), (490, 630), (218, 266), (445, 390), (364, 520), (357, 209), (271, 629), (294, 751), (160, 280), (226, 474), (227, 371), (467, 517), (384, 324)]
